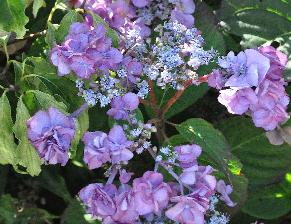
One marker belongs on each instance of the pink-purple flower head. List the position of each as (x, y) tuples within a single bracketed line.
[(117, 14), (122, 105), (95, 154), (252, 82), (98, 199), (247, 69), (183, 13), (101, 148), (140, 3), (151, 193), (85, 50), (188, 154), (278, 62), (118, 145), (188, 209), (51, 133)]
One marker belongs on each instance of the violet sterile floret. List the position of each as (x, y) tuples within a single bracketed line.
[(51, 133), (151, 193), (118, 145), (122, 105), (95, 154)]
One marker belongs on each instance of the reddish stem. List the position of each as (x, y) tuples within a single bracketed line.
[(153, 99), (179, 93)]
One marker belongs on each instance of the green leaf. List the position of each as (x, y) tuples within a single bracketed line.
[(27, 155), (46, 101), (74, 213), (189, 97), (110, 32), (63, 30), (82, 126), (263, 163), (12, 16), (50, 37), (206, 22), (37, 4), (51, 180), (259, 22), (11, 214), (7, 209), (7, 145), (42, 67), (269, 202)]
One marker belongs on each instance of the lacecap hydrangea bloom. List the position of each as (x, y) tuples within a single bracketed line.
[(252, 82), (150, 197), (51, 133)]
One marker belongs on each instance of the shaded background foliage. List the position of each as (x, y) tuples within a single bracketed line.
[(31, 193)]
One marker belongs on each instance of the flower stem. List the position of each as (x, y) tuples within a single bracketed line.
[(111, 178), (78, 112), (176, 97), (153, 99)]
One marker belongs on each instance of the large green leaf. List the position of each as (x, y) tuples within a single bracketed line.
[(12, 16), (189, 97), (7, 145), (37, 4), (11, 214), (259, 22), (214, 145), (263, 163), (51, 180), (270, 202), (46, 101), (27, 155), (82, 124), (7, 209), (206, 22), (74, 213)]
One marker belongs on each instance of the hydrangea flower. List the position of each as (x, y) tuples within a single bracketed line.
[(187, 210), (122, 105), (98, 199), (252, 82), (247, 69), (118, 145), (151, 193), (86, 49), (126, 208), (95, 154), (51, 133), (188, 154), (225, 190)]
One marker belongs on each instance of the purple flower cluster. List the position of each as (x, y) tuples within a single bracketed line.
[(252, 82), (86, 49), (51, 133), (120, 15), (101, 148), (122, 105), (180, 10), (149, 197)]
